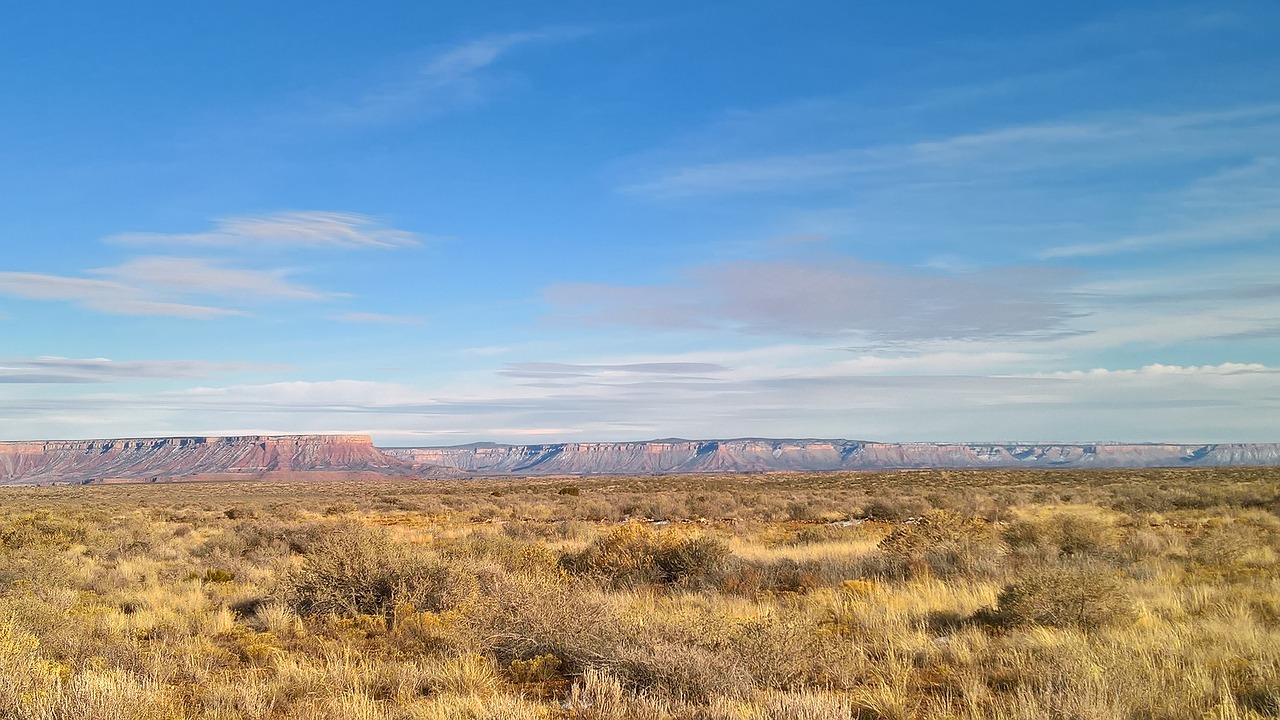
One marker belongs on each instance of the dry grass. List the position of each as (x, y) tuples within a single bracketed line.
[(1108, 594)]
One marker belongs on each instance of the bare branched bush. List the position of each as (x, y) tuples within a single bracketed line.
[(359, 571), (1225, 545), (680, 670), (784, 576), (1063, 597), (942, 544), (634, 554), (1063, 534), (894, 508), (522, 616)]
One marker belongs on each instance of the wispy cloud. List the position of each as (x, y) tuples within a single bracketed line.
[(55, 370), (1073, 145), (452, 78), (335, 395), (1240, 203), (298, 229), (102, 296), (548, 370), (181, 286), (197, 276), (837, 298), (1227, 402), (369, 318), (160, 286), (1180, 302)]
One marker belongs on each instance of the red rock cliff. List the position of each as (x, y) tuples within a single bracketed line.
[(79, 461)]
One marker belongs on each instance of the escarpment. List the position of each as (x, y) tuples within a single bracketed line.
[(355, 456), (175, 458)]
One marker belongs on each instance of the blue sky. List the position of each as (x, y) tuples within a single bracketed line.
[(530, 222)]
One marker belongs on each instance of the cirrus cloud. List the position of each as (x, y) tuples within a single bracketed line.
[(297, 228), (60, 370), (103, 296), (840, 298), (160, 286)]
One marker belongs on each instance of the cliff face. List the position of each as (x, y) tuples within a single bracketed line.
[(80, 461), (758, 455), (154, 459)]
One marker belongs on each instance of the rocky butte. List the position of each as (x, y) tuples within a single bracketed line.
[(355, 457)]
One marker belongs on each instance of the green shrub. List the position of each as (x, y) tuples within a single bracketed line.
[(801, 511), (216, 575), (539, 668)]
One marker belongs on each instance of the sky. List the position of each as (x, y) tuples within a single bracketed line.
[(440, 223)]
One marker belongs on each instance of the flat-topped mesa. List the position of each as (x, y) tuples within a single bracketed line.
[(79, 461), (248, 456), (183, 441), (763, 455)]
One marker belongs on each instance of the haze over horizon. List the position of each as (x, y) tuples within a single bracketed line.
[(522, 224)]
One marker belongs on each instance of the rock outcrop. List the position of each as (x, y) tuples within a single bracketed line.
[(354, 456)]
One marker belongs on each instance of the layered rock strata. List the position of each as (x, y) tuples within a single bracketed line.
[(353, 456), (143, 459), (759, 455)]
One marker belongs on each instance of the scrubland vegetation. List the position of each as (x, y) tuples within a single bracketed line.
[(1086, 594)]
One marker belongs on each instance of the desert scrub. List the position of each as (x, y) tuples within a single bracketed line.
[(213, 575), (1059, 533), (537, 669), (1230, 545), (785, 576), (1079, 597), (98, 618), (502, 550), (941, 544), (634, 554), (359, 571), (894, 509), (41, 529), (525, 615)]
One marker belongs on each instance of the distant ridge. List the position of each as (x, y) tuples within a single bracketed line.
[(354, 456), (763, 454)]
